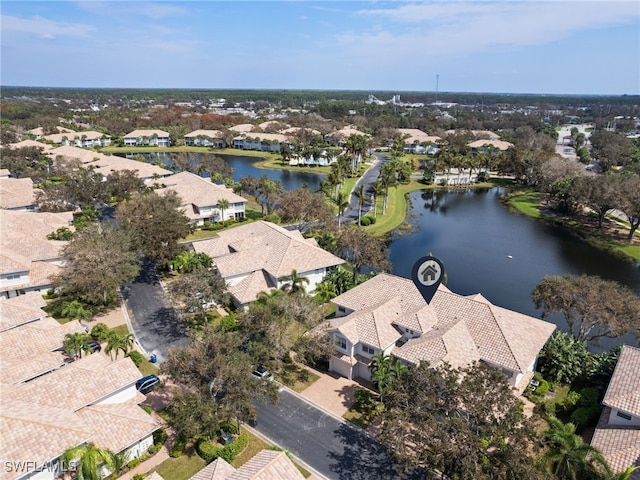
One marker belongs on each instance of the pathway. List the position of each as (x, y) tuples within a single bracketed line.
[(368, 178)]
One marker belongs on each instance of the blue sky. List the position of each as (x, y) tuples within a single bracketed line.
[(555, 47)]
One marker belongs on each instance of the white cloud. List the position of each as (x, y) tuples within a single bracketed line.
[(45, 28), (467, 27)]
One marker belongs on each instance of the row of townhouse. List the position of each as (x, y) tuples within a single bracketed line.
[(84, 139), (49, 404), (260, 256)]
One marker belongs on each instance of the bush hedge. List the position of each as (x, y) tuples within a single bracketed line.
[(100, 332), (136, 357), (178, 447), (159, 437), (209, 452)]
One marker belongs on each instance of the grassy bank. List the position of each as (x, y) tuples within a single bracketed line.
[(397, 207), (529, 203)]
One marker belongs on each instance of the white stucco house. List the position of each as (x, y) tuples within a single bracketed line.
[(205, 138), (617, 435), (258, 257), (156, 138), (200, 198), (48, 404), (265, 142), (388, 314)]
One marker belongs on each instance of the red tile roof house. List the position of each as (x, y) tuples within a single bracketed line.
[(388, 314), (157, 138), (265, 465), (48, 405), (200, 198), (205, 138), (28, 260), (617, 435), (254, 258)]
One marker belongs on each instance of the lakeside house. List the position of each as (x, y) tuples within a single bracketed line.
[(259, 257), (28, 260), (200, 198), (156, 138), (88, 139), (417, 141), (49, 404), (388, 314), (617, 434), (264, 142), (338, 137), (205, 138)]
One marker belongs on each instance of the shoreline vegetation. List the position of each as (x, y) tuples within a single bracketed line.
[(525, 202)]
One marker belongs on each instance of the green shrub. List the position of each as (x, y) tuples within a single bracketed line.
[(100, 332), (230, 427), (146, 408), (136, 357), (365, 221), (138, 476), (373, 220), (159, 437), (178, 447), (133, 463), (209, 452), (583, 416), (543, 388), (153, 449), (273, 218), (362, 396)]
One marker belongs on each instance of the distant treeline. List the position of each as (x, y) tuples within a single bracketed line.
[(298, 98)]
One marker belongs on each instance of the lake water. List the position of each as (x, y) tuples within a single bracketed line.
[(475, 235), (244, 166)]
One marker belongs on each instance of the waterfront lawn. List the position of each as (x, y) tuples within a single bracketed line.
[(396, 208)]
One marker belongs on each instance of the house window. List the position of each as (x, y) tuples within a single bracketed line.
[(367, 349), (626, 416), (341, 342), (13, 276)]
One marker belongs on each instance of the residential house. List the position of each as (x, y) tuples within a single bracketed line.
[(243, 128), (265, 142), (88, 139), (258, 257), (156, 138), (28, 260), (388, 314), (478, 134), (91, 400), (200, 198), (17, 194), (31, 143), (338, 137), (481, 145), (265, 465), (417, 141), (205, 138), (617, 435)]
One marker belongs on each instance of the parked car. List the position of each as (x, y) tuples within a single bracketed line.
[(261, 373), (147, 384), (93, 346)]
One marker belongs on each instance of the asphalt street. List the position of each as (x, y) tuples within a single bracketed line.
[(369, 178), (154, 321), (334, 448)]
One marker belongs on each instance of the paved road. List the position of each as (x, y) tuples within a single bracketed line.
[(368, 178), (154, 321), (334, 448)]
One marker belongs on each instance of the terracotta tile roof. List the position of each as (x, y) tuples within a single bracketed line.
[(277, 137), (247, 289), (264, 246), (116, 426), (415, 135), (39, 434), (620, 445), (242, 128), (476, 133), (146, 133), (30, 143), (11, 262), (499, 144), (623, 391), (70, 152), (373, 325), (265, 465), (500, 336), (272, 123), (93, 377), (198, 191), (16, 193), (71, 136), (293, 130), (205, 133), (107, 164), (348, 131), (20, 310)]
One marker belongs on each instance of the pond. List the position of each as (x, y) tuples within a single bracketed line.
[(244, 166), (487, 249)]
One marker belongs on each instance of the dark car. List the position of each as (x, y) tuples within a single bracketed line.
[(93, 346), (146, 384)]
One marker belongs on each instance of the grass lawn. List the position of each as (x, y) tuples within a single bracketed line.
[(396, 209), (255, 446), (360, 416), (527, 204), (146, 367), (296, 378), (251, 216), (183, 467)]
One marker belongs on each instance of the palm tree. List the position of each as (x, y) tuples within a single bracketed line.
[(359, 192), (295, 283), (384, 371), (342, 202), (568, 456), (376, 190), (74, 310), (116, 342), (91, 461), (223, 204), (75, 343), (626, 475)]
